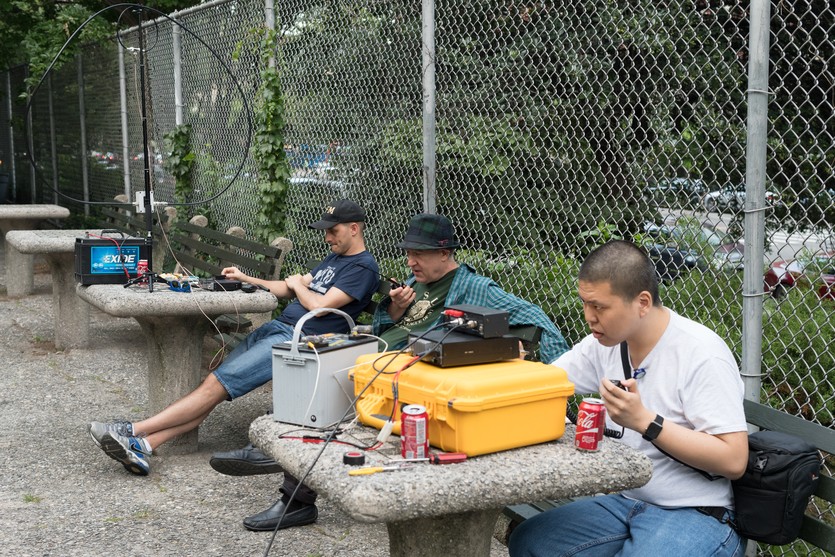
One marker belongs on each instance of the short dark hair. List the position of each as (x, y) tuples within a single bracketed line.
[(626, 268)]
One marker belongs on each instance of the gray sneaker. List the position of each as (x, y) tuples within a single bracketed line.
[(98, 429), (127, 450)]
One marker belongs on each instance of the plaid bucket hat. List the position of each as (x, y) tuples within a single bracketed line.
[(428, 231)]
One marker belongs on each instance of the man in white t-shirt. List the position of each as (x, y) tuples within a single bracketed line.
[(685, 399)]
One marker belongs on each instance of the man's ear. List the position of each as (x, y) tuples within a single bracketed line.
[(644, 302)]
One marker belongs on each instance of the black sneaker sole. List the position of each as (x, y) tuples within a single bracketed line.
[(233, 467), (116, 451)]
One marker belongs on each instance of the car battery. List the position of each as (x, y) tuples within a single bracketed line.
[(311, 386), (108, 260), (476, 409)]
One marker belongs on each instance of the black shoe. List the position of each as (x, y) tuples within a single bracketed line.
[(249, 461), (298, 514)]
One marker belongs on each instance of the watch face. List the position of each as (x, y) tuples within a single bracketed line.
[(654, 429)]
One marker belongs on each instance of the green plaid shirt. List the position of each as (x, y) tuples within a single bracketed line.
[(468, 287)]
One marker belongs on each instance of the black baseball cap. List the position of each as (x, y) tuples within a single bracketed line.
[(340, 211)]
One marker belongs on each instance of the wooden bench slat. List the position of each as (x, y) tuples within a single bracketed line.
[(826, 488), (776, 420), (263, 268), (228, 239), (190, 262), (818, 533)]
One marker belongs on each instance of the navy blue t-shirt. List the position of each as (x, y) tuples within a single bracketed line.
[(340, 271)]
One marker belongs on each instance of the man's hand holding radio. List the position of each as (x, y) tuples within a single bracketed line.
[(623, 403), (401, 299)]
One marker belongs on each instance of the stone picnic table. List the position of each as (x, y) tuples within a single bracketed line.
[(174, 324), (71, 314), (441, 510), (19, 266)]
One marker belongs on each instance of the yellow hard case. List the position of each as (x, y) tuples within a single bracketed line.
[(477, 409)]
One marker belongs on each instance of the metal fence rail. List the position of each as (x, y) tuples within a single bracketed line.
[(701, 129)]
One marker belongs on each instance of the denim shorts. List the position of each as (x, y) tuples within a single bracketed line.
[(250, 364)]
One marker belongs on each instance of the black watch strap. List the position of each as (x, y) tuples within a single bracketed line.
[(654, 429)]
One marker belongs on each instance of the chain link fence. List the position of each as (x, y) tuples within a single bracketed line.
[(555, 126)]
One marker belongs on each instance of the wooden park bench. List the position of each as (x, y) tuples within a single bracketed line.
[(818, 528), (198, 249)]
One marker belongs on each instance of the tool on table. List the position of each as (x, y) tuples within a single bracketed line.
[(375, 469), (440, 458)]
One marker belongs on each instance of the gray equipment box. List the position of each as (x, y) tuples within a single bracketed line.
[(311, 387)]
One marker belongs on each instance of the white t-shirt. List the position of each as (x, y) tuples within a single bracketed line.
[(691, 379)]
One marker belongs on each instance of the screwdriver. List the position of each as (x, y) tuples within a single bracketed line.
[(373, 470)]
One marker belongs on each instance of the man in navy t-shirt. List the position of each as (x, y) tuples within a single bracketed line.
[(345, 280)]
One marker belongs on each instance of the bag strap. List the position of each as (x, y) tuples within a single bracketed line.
[(627, 373)]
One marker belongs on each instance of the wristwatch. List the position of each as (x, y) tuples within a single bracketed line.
[(654, 428)]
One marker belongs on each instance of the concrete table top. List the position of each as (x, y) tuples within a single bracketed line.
[(47, 241), (10, 213), (19, 266), (135, 301), (174, 324), (440, 510), (71, 314)]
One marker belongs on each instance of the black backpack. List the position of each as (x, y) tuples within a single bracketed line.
[(771, 497)]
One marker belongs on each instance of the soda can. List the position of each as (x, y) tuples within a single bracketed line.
[(414, 432), (141, 268), (591, 422)]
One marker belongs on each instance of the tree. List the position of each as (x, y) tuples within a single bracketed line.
[(33, 31)]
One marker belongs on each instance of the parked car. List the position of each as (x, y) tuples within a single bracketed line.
[(732, 197), (711, 248), (671, 262), (675, 191), (817, 270)]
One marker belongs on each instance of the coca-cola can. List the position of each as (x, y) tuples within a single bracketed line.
[(141, 269), (591, 423), (414, 432)]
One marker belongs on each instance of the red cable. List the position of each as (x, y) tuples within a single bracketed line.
[(118, 249)]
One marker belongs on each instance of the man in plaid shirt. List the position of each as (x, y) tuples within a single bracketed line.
[(439, 281)]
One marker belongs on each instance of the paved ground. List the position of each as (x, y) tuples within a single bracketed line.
[(61, 496)]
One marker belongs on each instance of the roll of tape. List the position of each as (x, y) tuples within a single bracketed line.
[(353, 458)]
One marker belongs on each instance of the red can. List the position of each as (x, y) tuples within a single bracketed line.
[(414, 432), (141, 269), (591, 423)]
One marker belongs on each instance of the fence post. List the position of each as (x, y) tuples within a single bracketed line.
[(429, 153), (752, 282), (53, 146), (123, 107), (30, 145), (178, 74), (12, 171), (269, 22), (85, 178)]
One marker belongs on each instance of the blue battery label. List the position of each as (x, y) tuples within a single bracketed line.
[(113, 259)]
